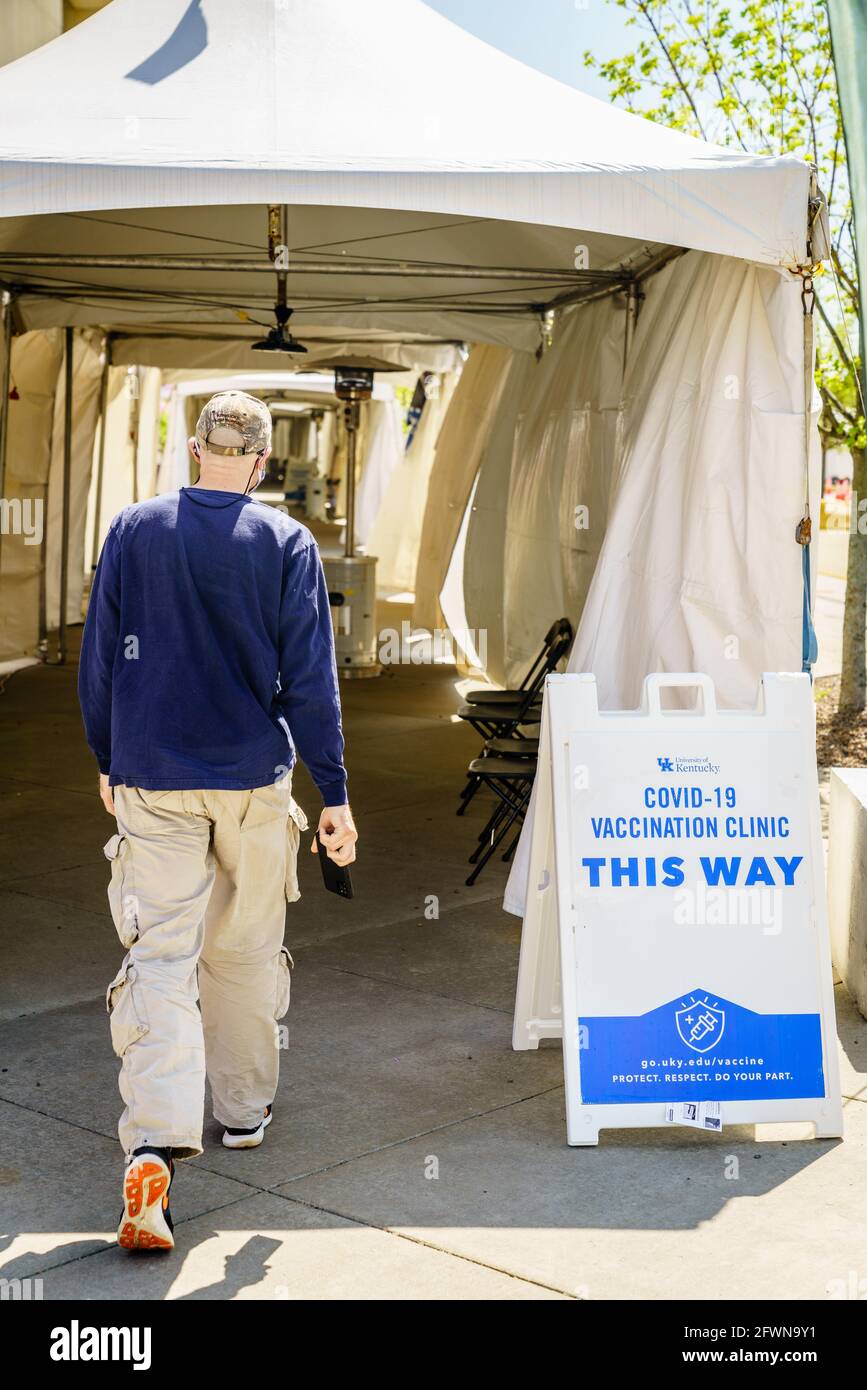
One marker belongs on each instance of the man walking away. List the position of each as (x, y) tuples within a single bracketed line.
[(207, 659)]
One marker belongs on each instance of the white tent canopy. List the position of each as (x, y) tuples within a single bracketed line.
[(412, 156), (179, 102)]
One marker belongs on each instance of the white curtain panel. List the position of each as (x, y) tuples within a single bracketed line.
[(86, 377), (175, 469), (383, 455), (699, 569), (117, 478), (148, 450), (483, 558), (395, 536), (559, 482), (461, 442)]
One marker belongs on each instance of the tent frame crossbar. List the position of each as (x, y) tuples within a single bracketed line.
[(589, 286), (258, 265), (76, 290), (304, 303), (625, 283), (193, 338)]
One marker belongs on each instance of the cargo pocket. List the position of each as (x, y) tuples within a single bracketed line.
[(125, 1018), (284, 982), (121, 897), (295, 823)]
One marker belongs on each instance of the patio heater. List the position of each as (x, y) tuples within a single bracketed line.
[(351, 578)]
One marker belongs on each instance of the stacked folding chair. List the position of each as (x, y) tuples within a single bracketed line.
[(507, 761)]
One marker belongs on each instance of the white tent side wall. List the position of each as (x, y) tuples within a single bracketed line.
[(395, 537), (699, 569), (484, 554), (459, 449), (175, 469), (563, 453), (148, 432), (36, 362), (116, 491), (382, 456), (86, 377)]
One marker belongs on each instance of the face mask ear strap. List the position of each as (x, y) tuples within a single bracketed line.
[(257, 465)]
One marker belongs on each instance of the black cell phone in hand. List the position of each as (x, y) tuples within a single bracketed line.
[(336, 877)]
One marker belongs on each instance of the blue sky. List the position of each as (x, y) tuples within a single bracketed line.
[(548, 34)]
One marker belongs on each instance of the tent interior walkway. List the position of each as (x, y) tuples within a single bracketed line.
[(412, 1154)]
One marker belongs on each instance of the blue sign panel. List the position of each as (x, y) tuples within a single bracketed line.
[(700, 1047)]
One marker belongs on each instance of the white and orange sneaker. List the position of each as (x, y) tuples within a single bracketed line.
[(146, 1222), (248, 1138)]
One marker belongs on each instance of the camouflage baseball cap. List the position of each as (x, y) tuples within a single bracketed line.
[(234, 423)]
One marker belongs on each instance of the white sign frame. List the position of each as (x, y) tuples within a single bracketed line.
[(546, 996)]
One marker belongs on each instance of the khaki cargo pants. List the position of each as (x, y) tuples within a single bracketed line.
[(199, 885)]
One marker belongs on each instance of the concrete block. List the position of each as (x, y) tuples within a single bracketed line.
[(847, 880)]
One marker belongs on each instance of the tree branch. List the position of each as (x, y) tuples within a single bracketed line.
[(658, 35), (844, 355)]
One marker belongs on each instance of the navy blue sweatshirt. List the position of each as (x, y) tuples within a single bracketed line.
[(208, 651)]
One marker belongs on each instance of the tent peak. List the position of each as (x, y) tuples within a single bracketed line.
[(386, 104)]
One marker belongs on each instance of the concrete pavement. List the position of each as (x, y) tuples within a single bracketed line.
[(413, 1155)]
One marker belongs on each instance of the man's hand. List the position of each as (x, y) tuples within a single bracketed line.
[(339, 834), (106, 792)]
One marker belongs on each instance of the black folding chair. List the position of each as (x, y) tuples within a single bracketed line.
[(503, 722), (494, 719), (485, 696), (511, 779)]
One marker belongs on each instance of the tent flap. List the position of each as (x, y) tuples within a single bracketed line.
[(698, 568)]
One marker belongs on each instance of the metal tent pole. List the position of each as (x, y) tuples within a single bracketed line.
[(100, 462), (43, 587), (634, 296), (351, 418), (67, 478), (134, 381), (5, 378)]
